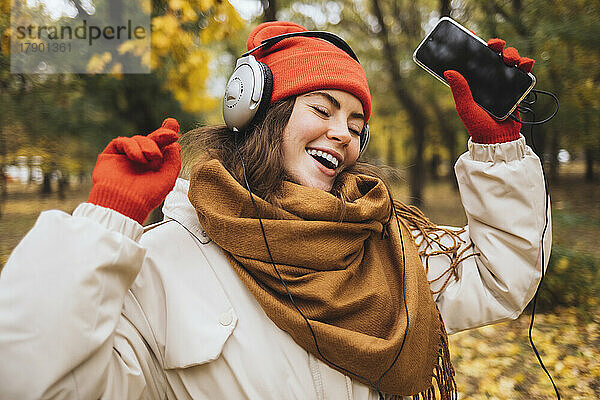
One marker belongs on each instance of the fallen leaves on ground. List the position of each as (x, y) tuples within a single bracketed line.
[(497, 361)]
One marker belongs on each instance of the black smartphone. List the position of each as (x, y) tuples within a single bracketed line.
[(498, 88)]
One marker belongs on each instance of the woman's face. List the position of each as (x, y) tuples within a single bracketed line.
[(322, 137)]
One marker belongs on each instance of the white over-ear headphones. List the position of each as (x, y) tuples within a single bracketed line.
[(248, 92)]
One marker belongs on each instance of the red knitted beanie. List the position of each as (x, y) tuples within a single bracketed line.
[(300, 65)]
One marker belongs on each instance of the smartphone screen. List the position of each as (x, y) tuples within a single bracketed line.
[(496, 87)]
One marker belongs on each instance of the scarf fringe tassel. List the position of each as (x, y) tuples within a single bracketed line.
[(443, 383), (443, 374), (429, 236)]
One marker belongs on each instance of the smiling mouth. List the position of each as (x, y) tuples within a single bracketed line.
[(325, 159)]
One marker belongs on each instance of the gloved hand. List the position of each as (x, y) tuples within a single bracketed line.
[(482, 127), (134, 174)]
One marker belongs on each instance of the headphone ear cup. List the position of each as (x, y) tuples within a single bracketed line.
[(364, 138), (266, 94), (247, 94)]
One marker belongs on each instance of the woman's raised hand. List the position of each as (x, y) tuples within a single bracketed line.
[(134, 174), (482, 127)]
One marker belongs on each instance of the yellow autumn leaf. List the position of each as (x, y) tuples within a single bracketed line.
[(519, 377), (98, 62), (165, 23), (5, 6), (224, 21), (5, 41), (205, 5), (145, 6), (117, 69), (176, 4), (188, 13), (562, 264), (146, 60), (136, 47), (182, 52)]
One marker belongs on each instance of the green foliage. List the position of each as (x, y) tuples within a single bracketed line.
[(557, 34), (68, 118), (572, 278)]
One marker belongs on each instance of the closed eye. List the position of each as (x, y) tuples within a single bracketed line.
[(321, 111), (325, 113)]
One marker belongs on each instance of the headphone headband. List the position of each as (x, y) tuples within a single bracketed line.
[(248, 90), (327, 36)]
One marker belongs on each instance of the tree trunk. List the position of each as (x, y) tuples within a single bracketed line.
[(554, 148), (445, 8), (3, 194), (390, 157), (46, 188), (539, 138), (269, 10), (3, 160), (63, 184), (514, 17), (3, 183), (434, 166), (414, 109), (448, 134), (3, 179), (589, 165), (417, 172)]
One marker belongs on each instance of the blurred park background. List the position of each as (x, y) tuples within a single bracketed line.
[(53, 126)]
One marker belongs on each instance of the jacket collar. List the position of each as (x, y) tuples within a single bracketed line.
[(178, 207)]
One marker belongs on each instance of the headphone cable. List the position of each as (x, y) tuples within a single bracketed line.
[(393, 210), (523, 109), (285, 285), (526, 110)]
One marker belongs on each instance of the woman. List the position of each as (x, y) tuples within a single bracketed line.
[(313, 287)]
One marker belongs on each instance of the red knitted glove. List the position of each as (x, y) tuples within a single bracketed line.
[(134, 174), (482, 127)]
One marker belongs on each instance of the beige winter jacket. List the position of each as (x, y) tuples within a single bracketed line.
[(91, 308)]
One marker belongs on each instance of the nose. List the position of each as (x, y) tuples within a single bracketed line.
[(339, 132)]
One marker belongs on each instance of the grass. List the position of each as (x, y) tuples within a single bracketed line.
[(494, 362)]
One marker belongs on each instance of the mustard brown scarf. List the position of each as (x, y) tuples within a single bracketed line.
[(345, 275)]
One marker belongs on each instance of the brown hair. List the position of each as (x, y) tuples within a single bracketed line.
[(261, 150)]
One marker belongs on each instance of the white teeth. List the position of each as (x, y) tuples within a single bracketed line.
[(323, 154)]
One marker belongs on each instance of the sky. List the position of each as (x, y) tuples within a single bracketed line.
[(247, 8), (58, 8)]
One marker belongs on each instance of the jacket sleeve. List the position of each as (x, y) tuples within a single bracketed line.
[(62, 331), (503, 193)]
